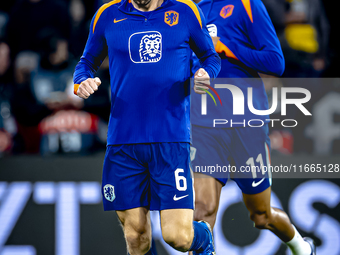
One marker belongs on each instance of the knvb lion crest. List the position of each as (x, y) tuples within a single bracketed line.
[(171, 18), (150, 48), (109, 192), (227, 11)]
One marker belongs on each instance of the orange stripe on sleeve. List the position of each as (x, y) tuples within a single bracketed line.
[(247, 6), (220, 47), (76, 86), (102, 9), (193, 8)]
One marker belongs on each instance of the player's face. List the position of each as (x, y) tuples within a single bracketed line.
[(142, 3)]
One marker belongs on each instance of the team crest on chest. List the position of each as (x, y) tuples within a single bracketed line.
[(145, 47), (227, 11), (171, 18), (109, 192)]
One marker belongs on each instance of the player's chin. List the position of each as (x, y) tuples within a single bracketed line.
[(142, 2)]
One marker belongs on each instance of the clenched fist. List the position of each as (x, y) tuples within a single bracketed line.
[(201, 78), (88, 87)]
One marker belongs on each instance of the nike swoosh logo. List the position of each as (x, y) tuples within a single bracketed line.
[(255, 184), (116, 21), (178, 198)]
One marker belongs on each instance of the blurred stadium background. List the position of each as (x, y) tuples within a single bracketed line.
[(52, 143)]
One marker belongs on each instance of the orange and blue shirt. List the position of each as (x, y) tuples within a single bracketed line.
[(149, 60), (248, 45)]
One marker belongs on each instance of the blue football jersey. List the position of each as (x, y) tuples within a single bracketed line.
[(248, 45), (149, 57)]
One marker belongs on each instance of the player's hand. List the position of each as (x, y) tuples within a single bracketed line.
[(88, 87), (201, 79)]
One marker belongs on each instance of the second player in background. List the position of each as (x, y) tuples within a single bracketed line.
[(246, 40)]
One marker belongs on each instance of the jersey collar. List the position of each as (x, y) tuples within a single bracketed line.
[(127, 7)]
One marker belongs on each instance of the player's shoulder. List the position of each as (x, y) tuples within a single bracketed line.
[(257, 2), (112, 5), (185, 4), (252, 3), (254, 8), (109, 7), (248, 7), (190, 8), (204, 3)]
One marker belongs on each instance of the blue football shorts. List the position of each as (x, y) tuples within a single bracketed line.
[(241, 154), (154, 175)]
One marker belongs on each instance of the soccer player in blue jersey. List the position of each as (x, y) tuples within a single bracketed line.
[(247, 43), (146, 166)]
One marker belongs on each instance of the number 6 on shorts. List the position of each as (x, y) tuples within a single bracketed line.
[(178, 180)]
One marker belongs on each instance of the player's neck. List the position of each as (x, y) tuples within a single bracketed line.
[(150, 6)]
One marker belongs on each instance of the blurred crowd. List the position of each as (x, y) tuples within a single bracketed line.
[(42, 40)]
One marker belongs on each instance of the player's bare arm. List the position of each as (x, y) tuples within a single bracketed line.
[(88, 87)]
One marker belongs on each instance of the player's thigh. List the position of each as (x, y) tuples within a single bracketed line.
[(258, 203), (207, 193), (176, 224), (135, 221), (259, 208)]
